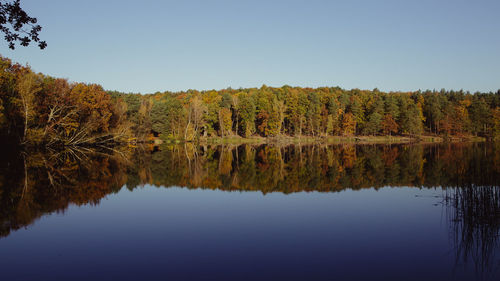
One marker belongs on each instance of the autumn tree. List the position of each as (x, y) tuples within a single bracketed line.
[(356, 109), (27, 86), (93, 106), (313, 113), (138, 113), (247, 114), (348, 124), (389, 125), (496, 123), (225, 121), (334, 113), (197, 109), (212, 100), (43, 110)]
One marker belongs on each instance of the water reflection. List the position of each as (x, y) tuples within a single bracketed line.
[(35, 184), (474, 216), (38, 183), (289, 169)]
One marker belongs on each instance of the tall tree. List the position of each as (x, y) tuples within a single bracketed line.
[(389, 125), (28, 85), (480, 115), (247, 113), (348, 124)]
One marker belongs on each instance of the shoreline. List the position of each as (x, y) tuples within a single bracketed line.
[(329, 140)]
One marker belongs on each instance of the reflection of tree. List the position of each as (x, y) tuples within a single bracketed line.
[(53, 181), (38, 183), (474, 213), (293, 168)]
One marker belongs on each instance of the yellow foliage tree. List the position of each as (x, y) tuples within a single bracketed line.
[(348, 124)]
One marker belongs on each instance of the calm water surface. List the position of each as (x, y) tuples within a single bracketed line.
[(340, 212)]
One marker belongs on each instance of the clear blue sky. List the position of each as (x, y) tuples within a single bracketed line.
[(148, 46)]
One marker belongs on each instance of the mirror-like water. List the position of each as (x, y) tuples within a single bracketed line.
[(268, 212)]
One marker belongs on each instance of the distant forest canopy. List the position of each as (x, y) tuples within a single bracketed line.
[(36, 109)]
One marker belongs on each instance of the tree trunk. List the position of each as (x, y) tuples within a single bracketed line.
[(25, 105), (186, 130)]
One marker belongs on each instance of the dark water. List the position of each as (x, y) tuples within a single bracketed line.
[(341, 212)]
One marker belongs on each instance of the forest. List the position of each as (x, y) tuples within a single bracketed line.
[(39, 110)]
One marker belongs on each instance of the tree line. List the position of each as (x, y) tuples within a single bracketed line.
[(316, 112), (37, 109)]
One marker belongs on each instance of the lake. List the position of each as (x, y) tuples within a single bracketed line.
[(252, 212)]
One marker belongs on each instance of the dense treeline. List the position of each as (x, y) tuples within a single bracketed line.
[(320, 112), (37, 109)]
